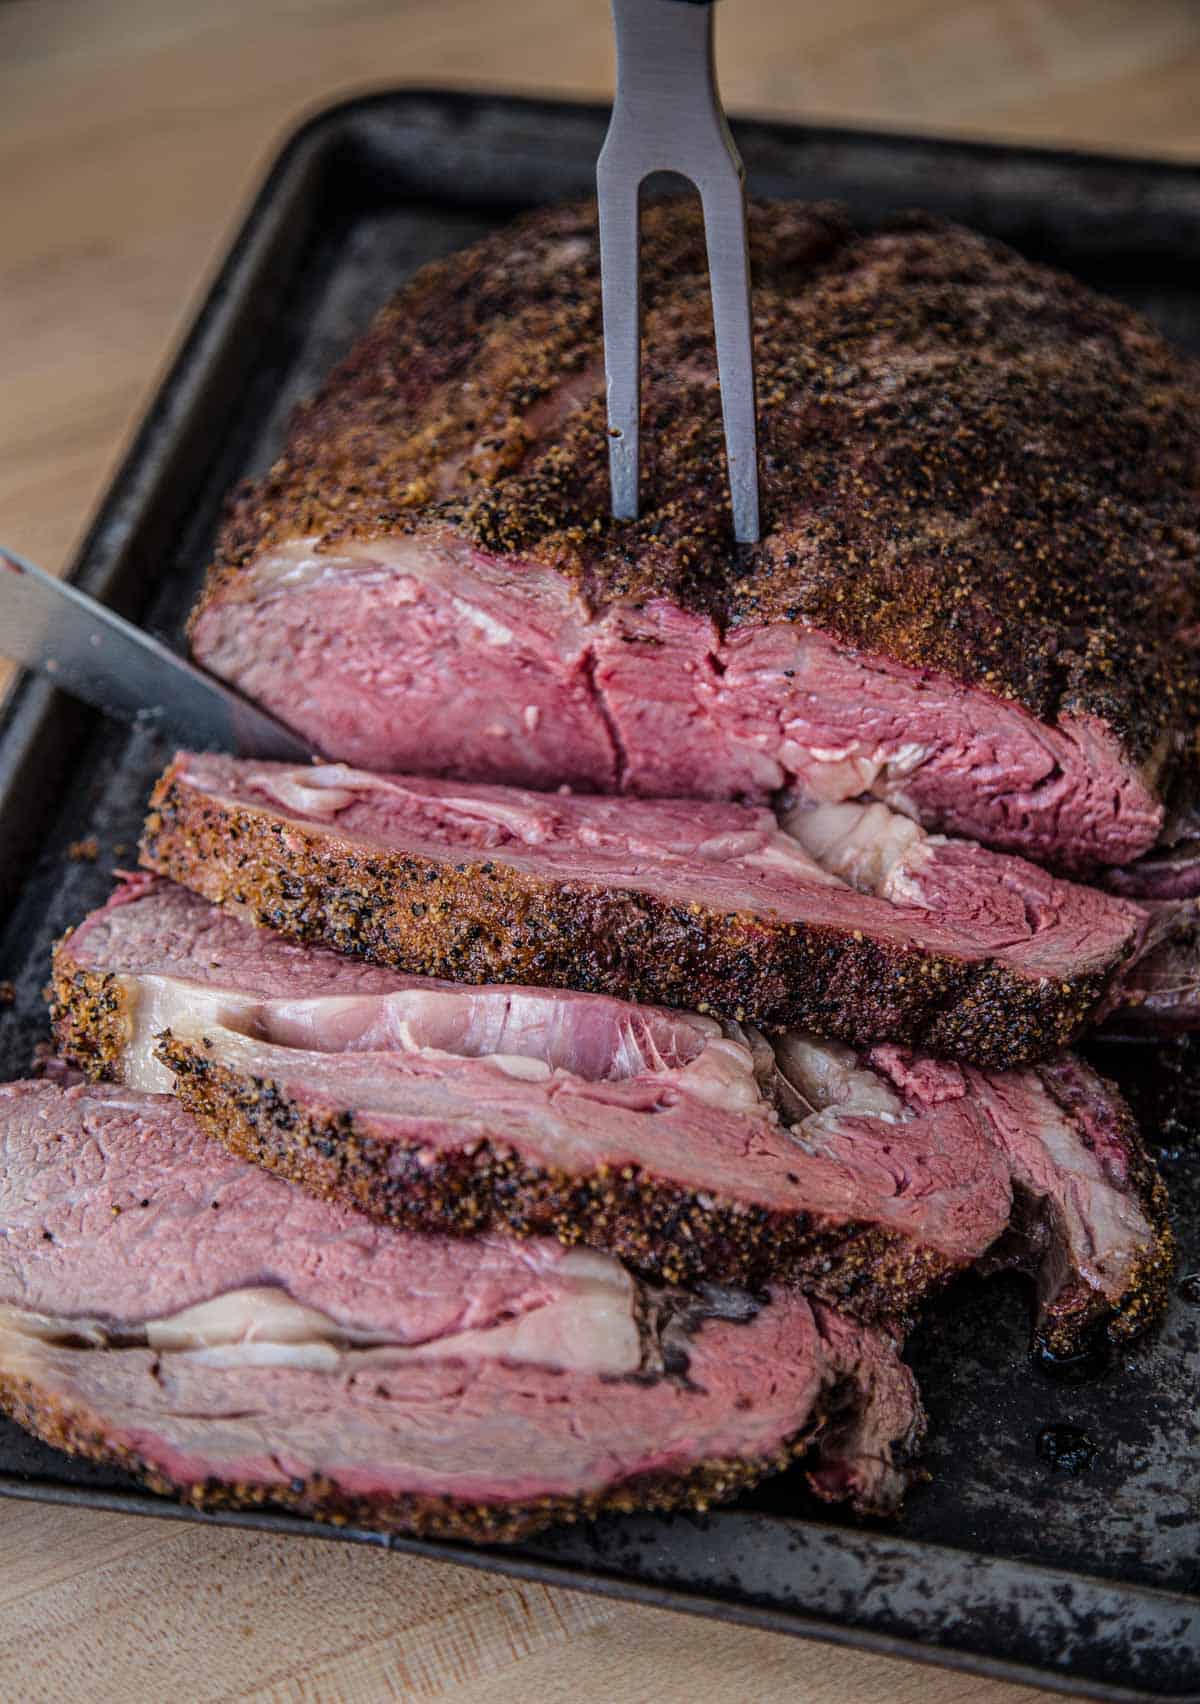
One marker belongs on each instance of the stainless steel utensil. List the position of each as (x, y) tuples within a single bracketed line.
[(111, 664), (667, 116)]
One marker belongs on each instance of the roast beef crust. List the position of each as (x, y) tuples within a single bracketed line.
[(678, 1235), (79, 1432), (482, 921), (969, 463), (90, 1015)]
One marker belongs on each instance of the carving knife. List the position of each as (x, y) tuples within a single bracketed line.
[(108, 662)]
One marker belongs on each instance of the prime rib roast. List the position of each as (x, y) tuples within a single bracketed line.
[(699, 1151), (973, 597), (560, 1096), (847, 919), (223, 1335)]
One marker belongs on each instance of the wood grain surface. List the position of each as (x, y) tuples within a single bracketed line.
[(131, 134)]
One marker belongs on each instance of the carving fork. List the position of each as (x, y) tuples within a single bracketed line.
[(667, 116)]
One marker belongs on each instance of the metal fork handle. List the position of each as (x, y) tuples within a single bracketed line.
[(667, 116)]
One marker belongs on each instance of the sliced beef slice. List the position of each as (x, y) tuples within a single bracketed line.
[(849, 921), (229, 1338), (972, 599), (698, 1151)]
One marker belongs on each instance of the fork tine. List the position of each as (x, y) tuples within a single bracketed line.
[(725, 237), (621, 300)]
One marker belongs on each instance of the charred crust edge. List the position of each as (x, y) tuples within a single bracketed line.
[(71, 1427), (90, 1013)]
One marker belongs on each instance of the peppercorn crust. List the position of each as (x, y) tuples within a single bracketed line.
[(681, 1236), (484, 921), (75, 1429), (968, 463), (90, 1014)]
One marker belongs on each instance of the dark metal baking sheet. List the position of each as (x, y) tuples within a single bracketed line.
[(1003, 1563)]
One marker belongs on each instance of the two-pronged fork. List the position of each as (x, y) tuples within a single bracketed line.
[(667, 116)]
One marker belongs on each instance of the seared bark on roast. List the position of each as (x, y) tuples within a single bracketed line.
[(229, 1338), (699, 1152), (971, 600), (846, 919)]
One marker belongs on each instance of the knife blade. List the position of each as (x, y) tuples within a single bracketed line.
[(96, 655)]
